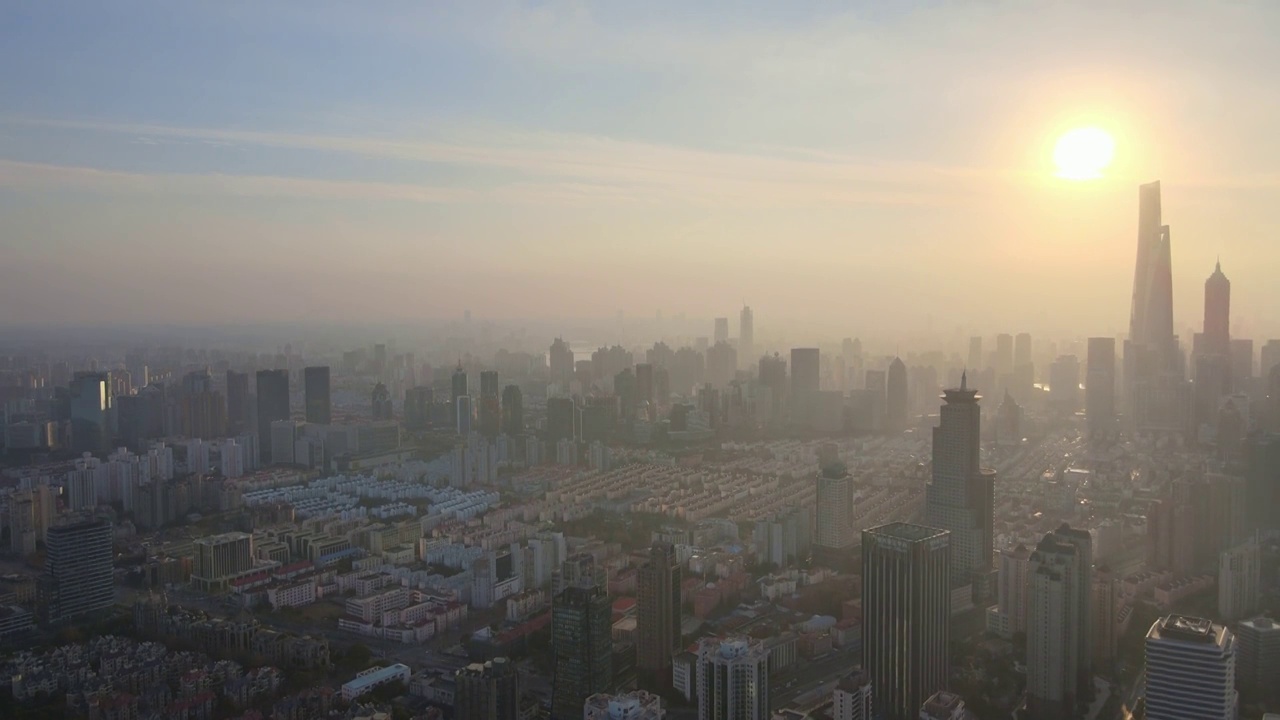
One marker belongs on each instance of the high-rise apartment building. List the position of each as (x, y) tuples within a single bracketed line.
[(960, 495), (657, 615), (77, 578), (906, 615), (315, 382), (853, 698), (746, 337), (733, 679), (805, 376), (1258, 656), (1191, 670), (582, 645), (487, 691), (834, 534), (1239, 581), (1013, 584), (897, 400), (1059, 638), (1104, 606), (561, 363), (273, 405)]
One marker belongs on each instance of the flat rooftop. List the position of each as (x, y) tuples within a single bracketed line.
[(907, 531)]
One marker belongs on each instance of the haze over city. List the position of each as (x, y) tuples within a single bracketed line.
[(582, 360), (309, 162)]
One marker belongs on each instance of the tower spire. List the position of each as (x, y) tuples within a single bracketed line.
[(964, 379)]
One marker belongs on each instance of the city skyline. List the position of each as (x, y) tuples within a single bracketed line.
[(266, 176)]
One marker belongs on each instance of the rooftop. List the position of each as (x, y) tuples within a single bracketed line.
[(907, 531)]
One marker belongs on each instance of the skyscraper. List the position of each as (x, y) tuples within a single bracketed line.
[(644, 384), (746, 337), (77, 578), (733, 679), (273, 405), (1011, 593), (315, 382), (804, 384), (1239, 578), (490, 405), (1059, 640), (960, 495), (582, 645), (906, 615), (721, 334), (1191, 670), (1153, 366), (512, 410), (561, 363), (834, 529), (458, 384), (380, 400), (487, 691), (1258, 655), (657, 615), (91, 403), (897, 400), (238, 409), (1217, 313), (1100, 384)]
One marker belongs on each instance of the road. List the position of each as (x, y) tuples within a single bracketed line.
[(829, 670)]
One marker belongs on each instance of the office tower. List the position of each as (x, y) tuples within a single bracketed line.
[(577, 570), (283, 443), (487, 691), (733, 679), (804, 384), (418, 402), (582, 646), (853, 698), (202, 412), (1022, 349), (490, 405), (464, 416), (1153, 372), (1100, 384), (773, 376), (895, 417), (635, 705), (1059, 639), (77, 578), (975, 354), (561, 362), (91, 403), (1004, 356), (1258, 656), (1239, 581), (512, 410), (1270, 357), (1191, 670), (834, 529), (721, 334), (644, 385), (959, 497), (1262, 479), (1217, 313), (458, 384), (316, 386), (219, 557), (22, 523), (238, 408), (747, 337), (1064, 384), (906, 615), (1012, 588), (657, 615), (273, 405)]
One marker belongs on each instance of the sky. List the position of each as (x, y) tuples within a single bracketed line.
[(857, 166)]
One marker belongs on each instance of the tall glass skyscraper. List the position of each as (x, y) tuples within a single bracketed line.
[(582, 643), (906, 615), (77, 575)]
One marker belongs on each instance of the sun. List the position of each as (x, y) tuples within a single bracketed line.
[(1083, 153)]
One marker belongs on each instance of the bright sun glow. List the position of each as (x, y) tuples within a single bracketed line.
[(1083, 153)]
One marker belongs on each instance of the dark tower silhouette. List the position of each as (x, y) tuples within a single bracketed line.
[(657, 616), (896, 404), (315, 381), (273, 405), (490, 407), (512, 410)]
